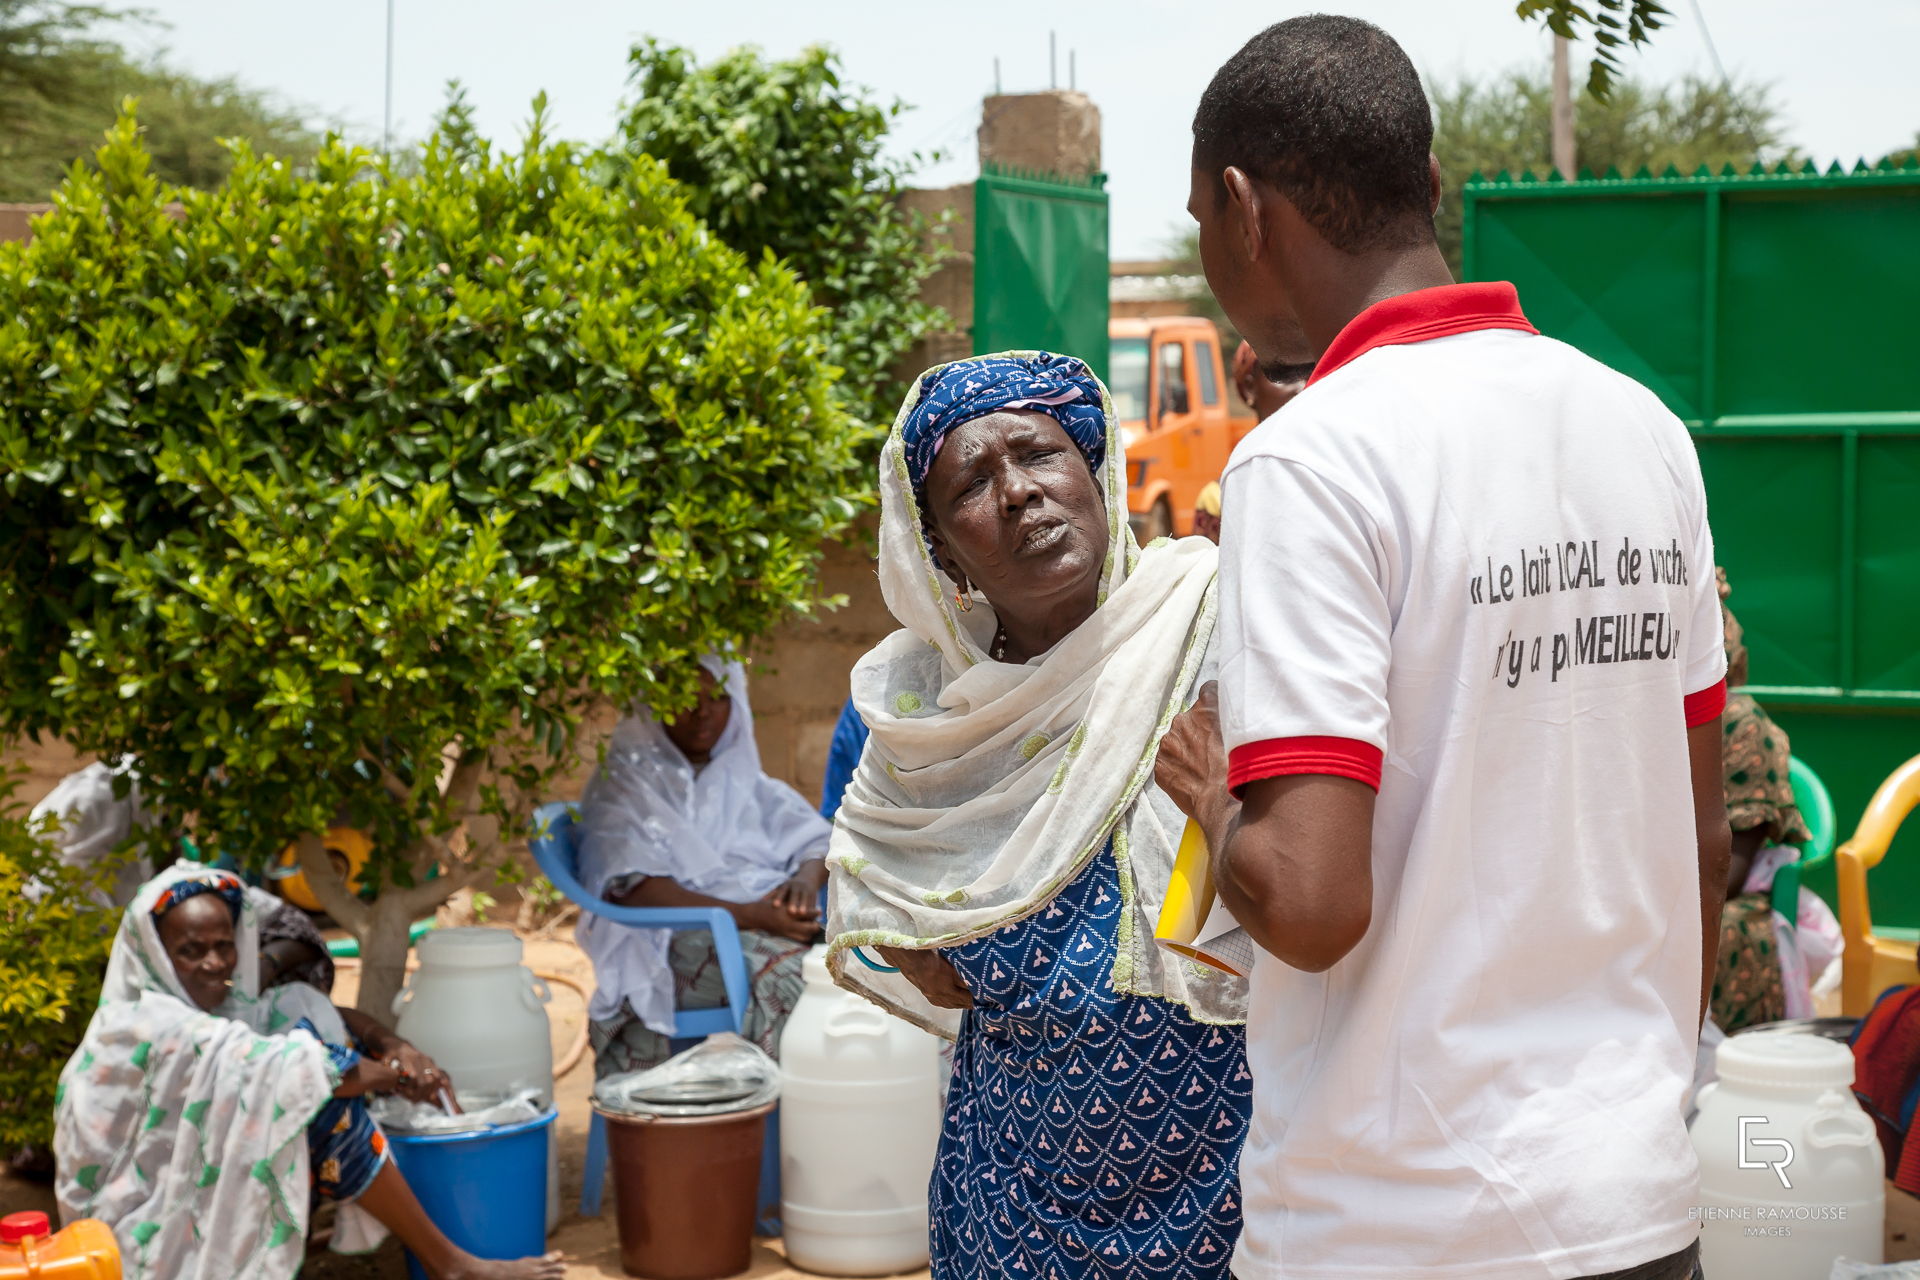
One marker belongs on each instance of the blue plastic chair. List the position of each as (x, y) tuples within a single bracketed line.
[(552, 844)]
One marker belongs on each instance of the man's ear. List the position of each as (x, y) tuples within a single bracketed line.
[(1435, 185), (1246, 212)]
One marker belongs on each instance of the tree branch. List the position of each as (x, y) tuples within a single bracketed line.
[(390, 780), (331, 891), (465, 782)]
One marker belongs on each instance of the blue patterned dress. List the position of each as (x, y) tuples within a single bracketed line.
[(1089, 1135)]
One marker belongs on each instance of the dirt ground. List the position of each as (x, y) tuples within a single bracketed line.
[(591, 1248)]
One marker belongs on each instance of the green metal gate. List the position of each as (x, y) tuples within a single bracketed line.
[(1040, 264), (1776, 314)]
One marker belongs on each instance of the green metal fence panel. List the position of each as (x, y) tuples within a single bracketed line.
[(1773, 312), (1040, 264)]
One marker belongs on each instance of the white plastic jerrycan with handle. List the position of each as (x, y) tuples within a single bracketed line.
[(476, 1010), (481, 1014), (859, 1121), (1790, 1166)]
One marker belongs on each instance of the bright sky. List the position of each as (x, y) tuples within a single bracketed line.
[(1843, 69)]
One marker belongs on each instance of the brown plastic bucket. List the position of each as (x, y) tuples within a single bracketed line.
[(684, 1192)]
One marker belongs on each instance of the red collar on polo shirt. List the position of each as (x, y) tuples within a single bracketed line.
[(1425, 313)]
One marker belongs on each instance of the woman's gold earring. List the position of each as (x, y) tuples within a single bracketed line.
[(964, 603)]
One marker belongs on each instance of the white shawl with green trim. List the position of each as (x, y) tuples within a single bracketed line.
[(986, 786)]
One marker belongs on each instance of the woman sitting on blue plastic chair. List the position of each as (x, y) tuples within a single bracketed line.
[(681, 815)]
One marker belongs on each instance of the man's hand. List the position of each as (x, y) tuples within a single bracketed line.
[(933, 974), (1192, 766)]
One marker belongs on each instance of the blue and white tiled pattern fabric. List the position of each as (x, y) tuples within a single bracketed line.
[(1089, 1135)]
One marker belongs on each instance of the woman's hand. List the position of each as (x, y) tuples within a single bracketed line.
[(800, 895), (933, 974), (369, 1075), (1192, 765), (416, 1077), (769, 916), (420, 1077)]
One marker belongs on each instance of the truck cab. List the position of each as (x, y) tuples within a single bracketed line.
[(1170, 395)]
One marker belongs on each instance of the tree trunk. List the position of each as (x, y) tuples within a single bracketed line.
[(1563, 156), (383, 956)]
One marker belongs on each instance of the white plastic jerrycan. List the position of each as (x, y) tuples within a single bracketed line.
[(859, 1121), (481, 1014), (1790, 1167), (477, 1011)]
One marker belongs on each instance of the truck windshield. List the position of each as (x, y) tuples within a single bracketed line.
[(1127, 378)]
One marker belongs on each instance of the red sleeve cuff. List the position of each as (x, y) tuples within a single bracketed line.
[(1278, 757), (1706, 705)]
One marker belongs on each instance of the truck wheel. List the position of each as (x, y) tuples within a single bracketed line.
[(1158, 524)]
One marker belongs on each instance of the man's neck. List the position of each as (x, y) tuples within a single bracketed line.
[(1348, 284)]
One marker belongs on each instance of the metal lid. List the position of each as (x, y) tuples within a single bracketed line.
[(1786, 1058), (722, 1074)]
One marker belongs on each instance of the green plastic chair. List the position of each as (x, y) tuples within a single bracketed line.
[(1816, 810)]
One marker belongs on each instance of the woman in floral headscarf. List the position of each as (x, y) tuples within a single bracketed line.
[(1003, 846), (200, 1117)]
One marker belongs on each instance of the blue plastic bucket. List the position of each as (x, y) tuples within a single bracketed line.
[(486, 1189)]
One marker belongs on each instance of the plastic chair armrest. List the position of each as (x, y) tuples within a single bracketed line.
[(719, 919)]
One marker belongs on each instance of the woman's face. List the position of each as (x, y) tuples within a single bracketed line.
[(697, 731), (198, 937), (1015, 511)]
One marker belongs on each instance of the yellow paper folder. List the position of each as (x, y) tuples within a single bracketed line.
[(1190, 891), (1191, 904)]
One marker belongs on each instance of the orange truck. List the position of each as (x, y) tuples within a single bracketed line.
[(1175, 404)]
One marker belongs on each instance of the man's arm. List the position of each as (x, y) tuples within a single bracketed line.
[(1293, 862), (1297, 868), (1714, 842)]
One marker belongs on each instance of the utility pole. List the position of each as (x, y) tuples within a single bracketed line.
[(386, 132), (1563, 157)]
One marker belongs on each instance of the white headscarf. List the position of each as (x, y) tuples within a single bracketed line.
[(987, 786), (93, 823), (726, 830), (185, 1131)]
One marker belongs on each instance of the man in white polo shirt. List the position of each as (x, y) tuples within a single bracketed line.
[(1469, 696)]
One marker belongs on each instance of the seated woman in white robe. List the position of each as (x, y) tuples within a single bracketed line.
[(681, 815)]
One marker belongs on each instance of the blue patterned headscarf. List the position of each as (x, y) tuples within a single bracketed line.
[(1061, 387)]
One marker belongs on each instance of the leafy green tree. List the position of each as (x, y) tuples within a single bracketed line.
[(1504, 124), (346, 495), (781, 157), (55, 931), (61, 87), (38, 41), (1617, 26)]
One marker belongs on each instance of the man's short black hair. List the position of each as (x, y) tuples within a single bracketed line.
[(1330, 112)]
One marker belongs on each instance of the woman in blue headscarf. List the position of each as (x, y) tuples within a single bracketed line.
[(1003, 847)]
